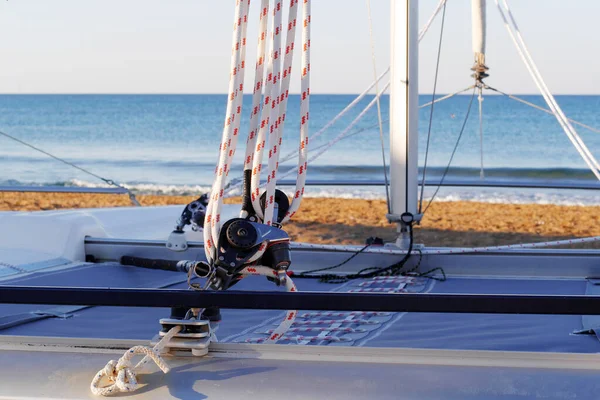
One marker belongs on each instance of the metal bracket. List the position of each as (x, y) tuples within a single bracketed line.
[(405, 224), (396, 218), (195, 335), (177, 241)]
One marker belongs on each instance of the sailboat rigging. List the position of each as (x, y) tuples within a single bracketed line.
[(375, 311)]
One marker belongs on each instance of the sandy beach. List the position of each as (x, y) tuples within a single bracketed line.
[(332, 220)]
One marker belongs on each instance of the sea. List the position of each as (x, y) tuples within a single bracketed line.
[(168, 144)]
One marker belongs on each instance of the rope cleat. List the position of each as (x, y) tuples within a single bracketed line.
[(194, 334)]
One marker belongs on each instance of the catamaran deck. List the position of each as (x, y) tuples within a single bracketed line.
[(540, 333), (326, 354)]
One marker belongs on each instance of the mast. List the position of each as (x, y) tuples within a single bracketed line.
[(404, 114), (479, 68)]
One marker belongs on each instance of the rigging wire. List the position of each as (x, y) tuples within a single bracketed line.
[(340, 135), (519, 42), (331, 122), (356, 132), (547, 111), (379, 119), (446, 97), (425, 28), (437, 66), (105, 180), (236, 183), (462, 129)]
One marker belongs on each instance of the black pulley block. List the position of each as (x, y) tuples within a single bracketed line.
[(282, 201), (239, 243), (194, 212), (242, 234)]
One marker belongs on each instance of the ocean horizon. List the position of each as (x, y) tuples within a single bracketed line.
[(167, 143)]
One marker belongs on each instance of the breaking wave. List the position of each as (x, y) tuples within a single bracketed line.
[(446, 194)]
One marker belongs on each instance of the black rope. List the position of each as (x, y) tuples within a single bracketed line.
[(107, 181), (414, 271), (364, 273), (437, 66), (337, 265), (370, 272), (462, 129)]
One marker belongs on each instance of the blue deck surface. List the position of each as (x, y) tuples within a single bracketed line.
[(541, 333)]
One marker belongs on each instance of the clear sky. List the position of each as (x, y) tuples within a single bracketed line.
[(183, 46)]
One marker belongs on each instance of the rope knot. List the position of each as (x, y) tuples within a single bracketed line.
[(123, 364), (122, 374), (109, 370)]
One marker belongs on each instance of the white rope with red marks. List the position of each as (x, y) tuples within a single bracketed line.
[(290, 316), (255, 114), (271, 120), (304, 113), (275, 138), (274, 112), (212, 223), (267, 106), (268, 121), (121, 375)]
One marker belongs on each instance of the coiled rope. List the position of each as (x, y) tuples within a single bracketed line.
[(122, 376)]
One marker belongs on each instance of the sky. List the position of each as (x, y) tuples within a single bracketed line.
[(183, 46)]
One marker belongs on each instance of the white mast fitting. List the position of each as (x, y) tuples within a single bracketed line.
[(479, 68), (478, 32), (404, 109)]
